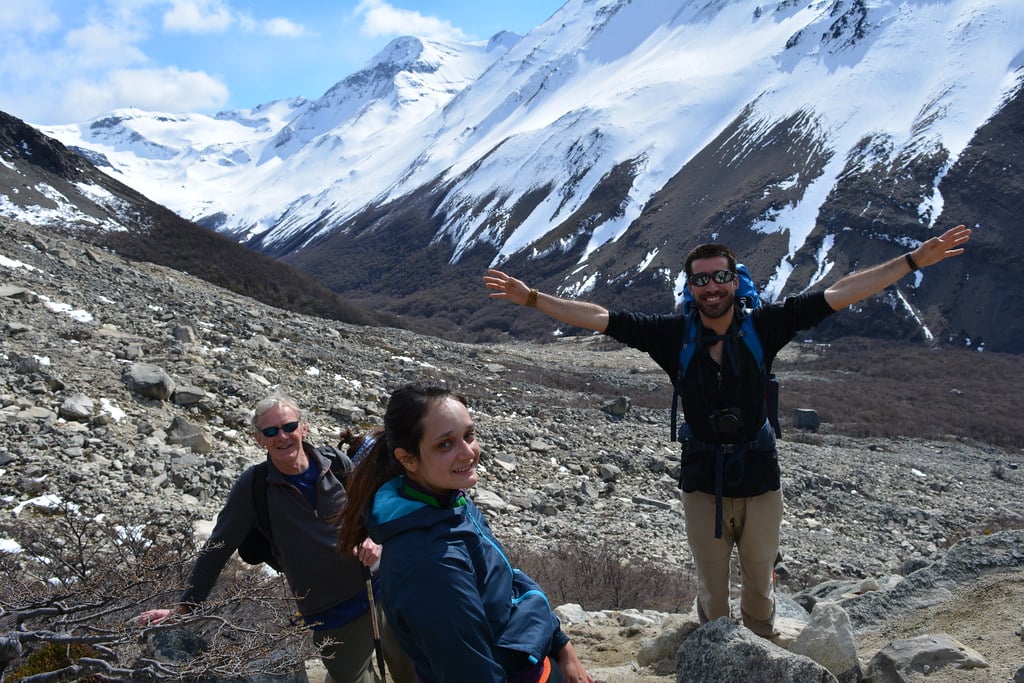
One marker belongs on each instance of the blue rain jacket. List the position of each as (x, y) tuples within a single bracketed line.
[(451, 596)]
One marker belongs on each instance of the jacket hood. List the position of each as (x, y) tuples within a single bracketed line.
[(392, 514)]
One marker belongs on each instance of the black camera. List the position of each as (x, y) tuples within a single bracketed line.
[(726, 422)]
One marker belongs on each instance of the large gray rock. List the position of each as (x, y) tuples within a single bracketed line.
[(900, 659), (722, 651), (150, 381), (77, 407), (828, 640), (806, 418), (188, 395), (184, 433), (185, 334), (19, 294), (659, 652), (926, 586), (617, 407)]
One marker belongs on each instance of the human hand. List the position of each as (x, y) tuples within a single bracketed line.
[(154, 616), (367, 552), (506, 286), (572, 668), (942, 247)]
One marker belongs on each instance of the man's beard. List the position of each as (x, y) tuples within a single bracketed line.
[(717, 309)]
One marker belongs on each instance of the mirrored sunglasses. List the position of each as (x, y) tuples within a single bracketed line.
[(287, 427), (719, 276)]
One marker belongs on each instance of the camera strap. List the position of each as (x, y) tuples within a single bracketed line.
[(693, 340), (746, 332)]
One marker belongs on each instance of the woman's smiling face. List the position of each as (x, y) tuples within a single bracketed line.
[(449, 450)]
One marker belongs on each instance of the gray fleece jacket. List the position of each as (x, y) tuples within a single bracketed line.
[(306, 540)]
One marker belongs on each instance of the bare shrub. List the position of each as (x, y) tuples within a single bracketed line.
[(877, 389), (77, 580), (803, 436), (863, 388), (597, 578)]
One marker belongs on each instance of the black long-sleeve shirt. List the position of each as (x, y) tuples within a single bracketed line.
[(707, 385)]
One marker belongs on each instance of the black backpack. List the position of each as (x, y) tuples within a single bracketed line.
[(258, 547)]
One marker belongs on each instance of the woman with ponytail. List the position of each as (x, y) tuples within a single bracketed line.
[(453, 600)]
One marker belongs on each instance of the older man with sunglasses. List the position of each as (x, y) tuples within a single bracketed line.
[(730, 474), (303, 501)]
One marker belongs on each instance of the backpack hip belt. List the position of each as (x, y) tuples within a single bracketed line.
[(691, 446), (729, 467)]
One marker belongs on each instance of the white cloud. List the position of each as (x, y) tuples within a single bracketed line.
[(36, 75), (383, 19), (30, 16), (214, 16), (278, 27), (166, 89), (98, 45), (198, 16), (111, 54), (285, 28)]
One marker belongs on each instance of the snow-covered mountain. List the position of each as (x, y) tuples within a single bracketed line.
[(591, 154), (273, 167), (44, 184)]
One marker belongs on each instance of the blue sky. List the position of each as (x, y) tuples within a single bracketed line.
[(66, 61)]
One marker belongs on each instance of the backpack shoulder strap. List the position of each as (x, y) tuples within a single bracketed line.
[(341, 464), (259, 497), (749, 335), (689, 346), (771, 383), (686, 351)]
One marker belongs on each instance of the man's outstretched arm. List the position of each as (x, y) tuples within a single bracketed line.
[(860, 285), (576, 313)]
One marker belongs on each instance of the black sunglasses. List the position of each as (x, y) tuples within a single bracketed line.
[(719, 276), (288, 427)]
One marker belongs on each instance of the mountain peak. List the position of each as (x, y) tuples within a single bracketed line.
[(503, 41), (812, 134)]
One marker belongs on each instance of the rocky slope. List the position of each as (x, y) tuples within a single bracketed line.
[(79, 327), (49, 186)]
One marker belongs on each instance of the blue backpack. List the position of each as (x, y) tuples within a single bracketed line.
[(748, 299)]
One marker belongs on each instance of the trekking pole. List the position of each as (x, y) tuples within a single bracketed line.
[(376, 627)]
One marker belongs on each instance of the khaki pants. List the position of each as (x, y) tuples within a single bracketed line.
[(750, 524), (348, 658)]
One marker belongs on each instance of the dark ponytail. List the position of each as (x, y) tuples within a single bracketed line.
[(375, 468), (403, 428)]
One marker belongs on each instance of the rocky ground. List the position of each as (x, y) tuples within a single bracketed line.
[(568, 452)]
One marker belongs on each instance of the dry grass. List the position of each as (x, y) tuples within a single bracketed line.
[(596, 578), (867, 388), (860, 387)]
